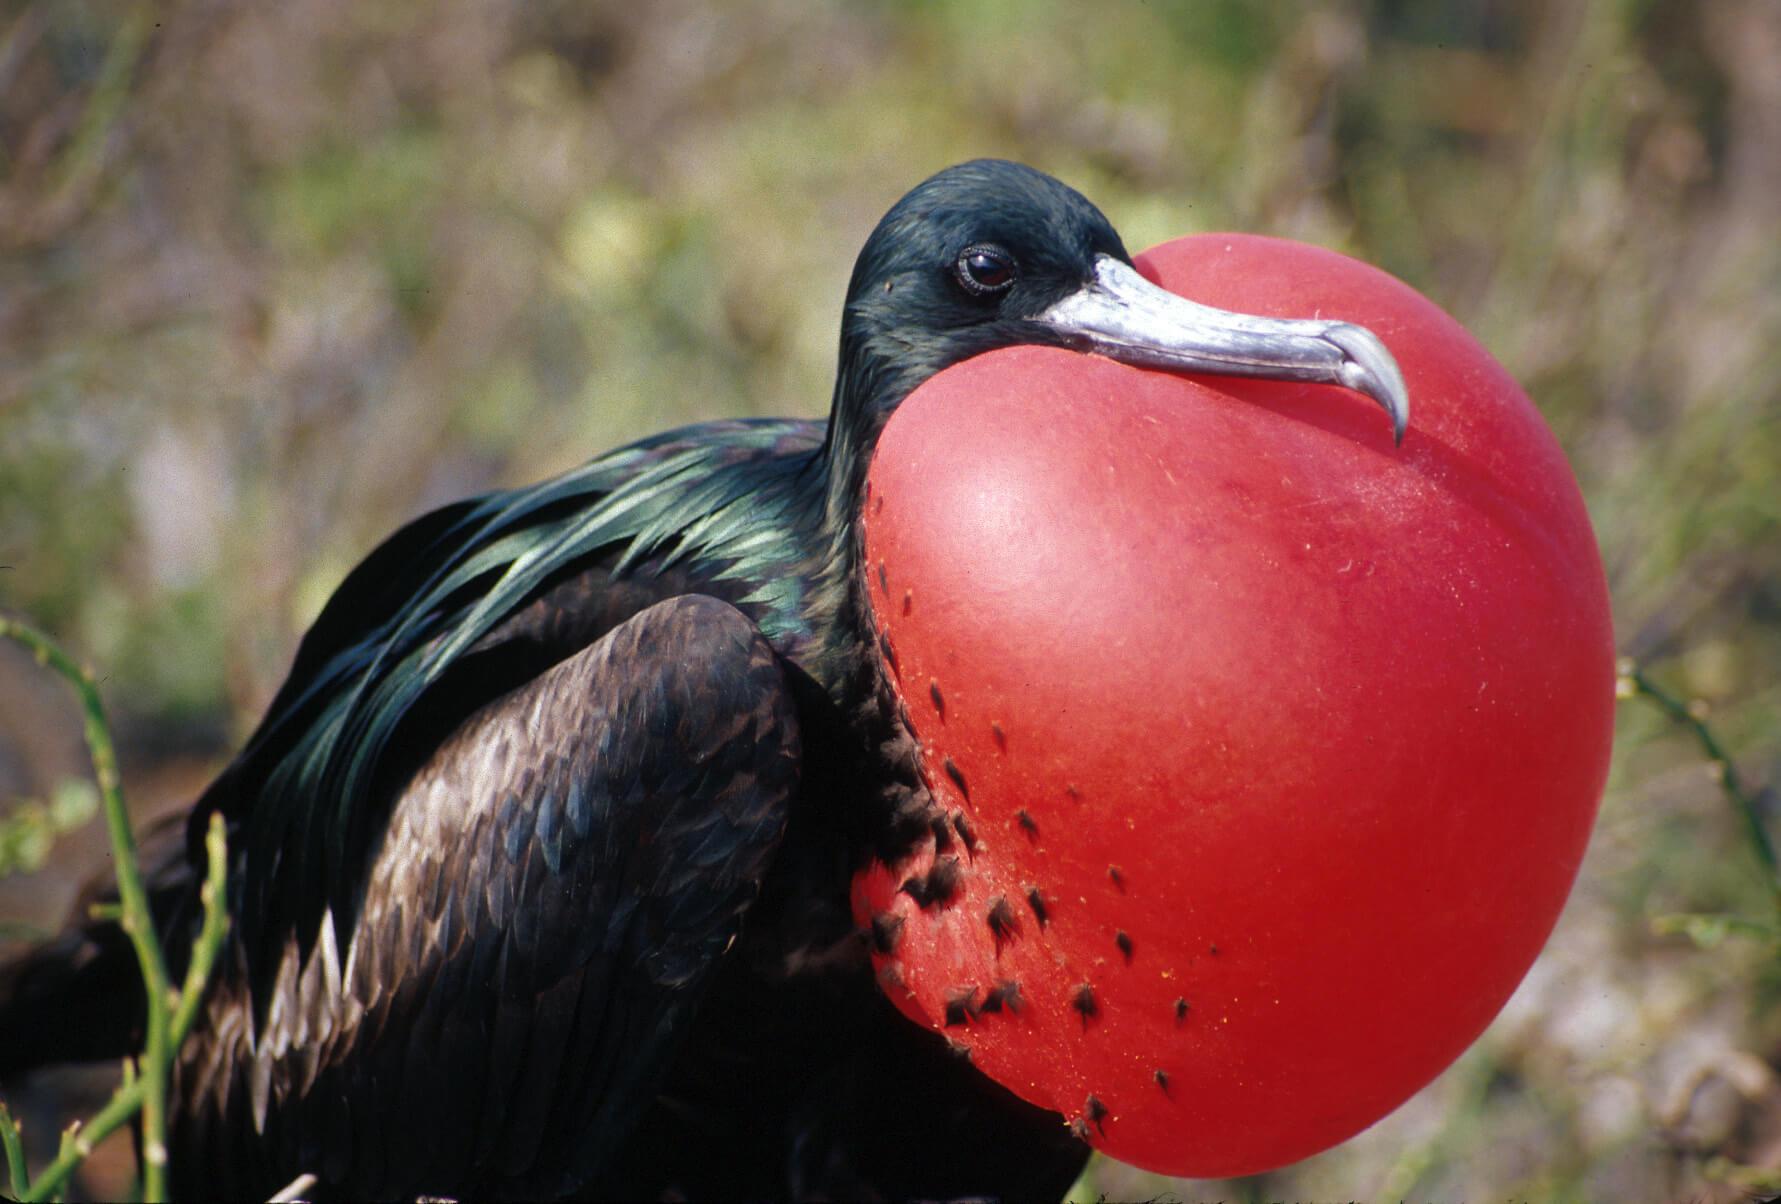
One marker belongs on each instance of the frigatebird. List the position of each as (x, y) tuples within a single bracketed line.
[(540, 857)]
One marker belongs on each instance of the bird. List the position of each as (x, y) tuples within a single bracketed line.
[(539, 858)]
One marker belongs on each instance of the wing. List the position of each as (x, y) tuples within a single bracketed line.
[(544, 911), (307, 798)]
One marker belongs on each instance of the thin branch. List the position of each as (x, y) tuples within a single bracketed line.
[(136, 922), (79, 1139), (210, 938), (15, 1151), (170, 1014), (1634, 683)]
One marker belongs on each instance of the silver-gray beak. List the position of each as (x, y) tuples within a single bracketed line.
[(1123, 316)]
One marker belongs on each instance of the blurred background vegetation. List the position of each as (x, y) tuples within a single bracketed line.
[(275, 277)]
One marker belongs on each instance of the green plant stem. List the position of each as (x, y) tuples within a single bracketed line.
[(210, 936), (1635, 683), (15, 1151), (132, 1092), (136, 922), (79, 1139)]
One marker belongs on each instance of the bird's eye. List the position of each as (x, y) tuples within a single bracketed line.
[(983, 269)]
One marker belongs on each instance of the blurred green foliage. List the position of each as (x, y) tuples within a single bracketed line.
[(275, 277), (30, 828)]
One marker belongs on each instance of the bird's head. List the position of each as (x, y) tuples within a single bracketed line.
[(992, 254)]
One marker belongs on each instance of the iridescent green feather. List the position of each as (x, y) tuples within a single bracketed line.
[(732, 498)]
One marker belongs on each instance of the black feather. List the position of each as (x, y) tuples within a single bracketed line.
[(1083, 1002), (533, 762)]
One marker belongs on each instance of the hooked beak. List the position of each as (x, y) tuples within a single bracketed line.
[(1123, 316)]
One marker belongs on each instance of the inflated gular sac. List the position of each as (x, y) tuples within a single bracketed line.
[(1274, 746)]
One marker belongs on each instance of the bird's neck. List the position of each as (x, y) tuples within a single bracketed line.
[(878, 368), (880, 365), (870, 380)]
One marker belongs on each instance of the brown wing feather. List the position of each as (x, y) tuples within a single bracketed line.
[(546, 906)]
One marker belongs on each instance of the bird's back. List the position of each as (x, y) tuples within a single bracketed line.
[(471, 628)]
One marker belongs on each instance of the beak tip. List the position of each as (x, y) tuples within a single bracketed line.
[(1396, 402), (1370, 369)]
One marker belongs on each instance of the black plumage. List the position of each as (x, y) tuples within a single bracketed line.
[(540, 856)]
